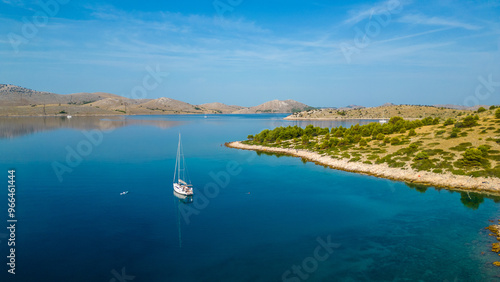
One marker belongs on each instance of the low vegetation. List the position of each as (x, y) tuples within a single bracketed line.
[(461, 145)]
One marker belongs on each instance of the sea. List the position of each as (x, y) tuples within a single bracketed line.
[(253, 216)]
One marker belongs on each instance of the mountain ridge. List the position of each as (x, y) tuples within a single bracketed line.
[(17, 100)]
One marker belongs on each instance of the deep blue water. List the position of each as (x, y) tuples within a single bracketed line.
[(264, 216)]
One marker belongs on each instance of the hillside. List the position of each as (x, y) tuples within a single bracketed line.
[(219, 108), (17, 101), (382, 112), (11, 95), (276, 106), (460, 152)]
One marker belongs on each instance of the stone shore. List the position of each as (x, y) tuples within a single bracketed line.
[(446, 180)]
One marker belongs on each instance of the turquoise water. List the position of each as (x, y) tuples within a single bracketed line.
[(253, 218)]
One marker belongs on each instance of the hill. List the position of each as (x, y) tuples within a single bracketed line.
[(381, 112), (16, 101), (11, 95), (461, 152), (219, 108), (276, 106)]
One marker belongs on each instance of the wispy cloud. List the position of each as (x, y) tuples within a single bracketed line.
[(18, 3), (360, 14), (413, 35), (436, 21)]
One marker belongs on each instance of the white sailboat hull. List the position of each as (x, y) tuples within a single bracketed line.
[(183, 189)]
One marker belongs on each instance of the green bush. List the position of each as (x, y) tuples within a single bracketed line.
[(395, 141), (395, 120), (413, 147), (421, 156), (481, 109), (380, 136), (449, 121), (497, 113), (474, 157), (469, 121), (412, 132), (362, 142)]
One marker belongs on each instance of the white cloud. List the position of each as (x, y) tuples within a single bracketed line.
[(378, 9), (436, 21), (18, 3)]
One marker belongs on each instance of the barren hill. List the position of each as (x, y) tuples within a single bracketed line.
[(276, 106), (384, 111), (171, 105), (220, 108), (11, 95), (17, 101)]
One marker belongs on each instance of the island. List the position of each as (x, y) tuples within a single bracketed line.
[(460, 152)]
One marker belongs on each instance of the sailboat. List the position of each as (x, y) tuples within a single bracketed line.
[(181, 183)]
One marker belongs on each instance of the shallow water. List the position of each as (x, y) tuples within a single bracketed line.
[(254, 217)]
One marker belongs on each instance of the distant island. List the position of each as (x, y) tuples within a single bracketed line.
[(385, 111), (461, 151), (20, 101)]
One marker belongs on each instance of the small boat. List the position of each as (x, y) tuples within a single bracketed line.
[(382, 121), (181, 183), (69, 116), (124, 193)]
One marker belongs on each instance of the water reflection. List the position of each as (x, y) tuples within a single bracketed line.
[(183, 198), (471, 200), (418, 187), (12, 127), (181, 202)]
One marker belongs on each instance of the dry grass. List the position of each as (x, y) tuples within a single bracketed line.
[(405, 111), (431, 139)]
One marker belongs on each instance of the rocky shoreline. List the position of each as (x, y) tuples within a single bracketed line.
[(447, 180)]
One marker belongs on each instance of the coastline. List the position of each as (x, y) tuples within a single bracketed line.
[(340, 118), (447, 180)]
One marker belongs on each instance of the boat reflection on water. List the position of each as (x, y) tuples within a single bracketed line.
[(180, 202), (184, 198)]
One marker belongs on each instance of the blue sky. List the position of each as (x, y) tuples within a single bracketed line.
[(246, 52)]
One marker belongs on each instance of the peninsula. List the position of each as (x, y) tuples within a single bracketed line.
[(458, 153)]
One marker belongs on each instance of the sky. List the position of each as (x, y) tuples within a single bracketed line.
[(247, 52)]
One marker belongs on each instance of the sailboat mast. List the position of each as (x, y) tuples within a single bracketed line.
[(177, 161), (179, 158)]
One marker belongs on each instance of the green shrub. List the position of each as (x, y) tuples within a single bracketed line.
[(413, 147), (497, 113), (380, 136), (469, 121), (421, 156), (412, 132), (474, 157), (395, 120), (362, 142), (395, 141), (449, 121), (481, 109)]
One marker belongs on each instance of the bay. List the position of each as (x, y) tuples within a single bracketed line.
[(255, 217)]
